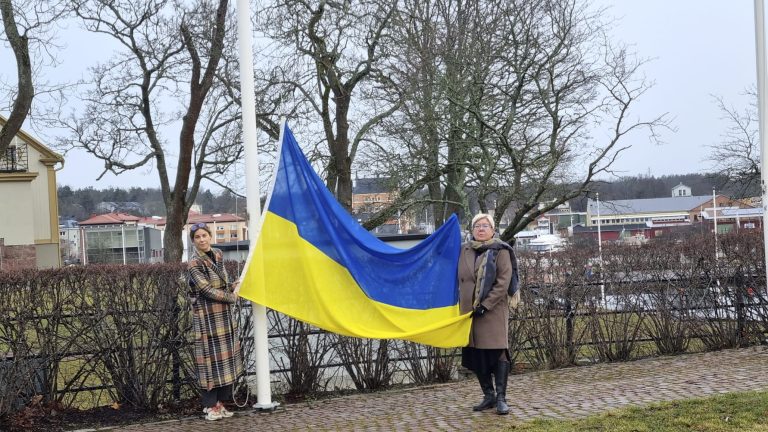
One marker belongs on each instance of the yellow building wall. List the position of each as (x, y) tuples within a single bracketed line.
[(47, 255), (29, 215), (39, 197), (16, 212)]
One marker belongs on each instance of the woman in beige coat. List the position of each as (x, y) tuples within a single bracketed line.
[(487, 266)]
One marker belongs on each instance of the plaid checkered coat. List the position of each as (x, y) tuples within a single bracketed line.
[(217, 348)]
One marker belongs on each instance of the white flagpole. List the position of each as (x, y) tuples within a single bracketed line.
[(261, 347), (761, 109)]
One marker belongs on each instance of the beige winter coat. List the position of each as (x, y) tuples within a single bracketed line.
[(491, 330)]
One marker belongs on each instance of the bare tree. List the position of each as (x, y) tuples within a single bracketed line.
[(507, 99), (737, 156), (26, 27), (164, 76), (329, 52), (565, 78), (439, 57)]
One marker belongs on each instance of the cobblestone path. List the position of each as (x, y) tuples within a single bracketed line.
[(563, 393)]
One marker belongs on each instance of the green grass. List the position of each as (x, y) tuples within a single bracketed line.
[(731, 412)]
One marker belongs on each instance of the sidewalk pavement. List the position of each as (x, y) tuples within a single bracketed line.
[(563, 393)]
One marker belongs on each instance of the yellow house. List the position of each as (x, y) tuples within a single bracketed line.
[(29, 225)]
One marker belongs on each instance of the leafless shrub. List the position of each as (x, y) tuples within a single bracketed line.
[(616, 325), (425, 364), (746, 252), (17, 377), (127, 329), (16, 371), (36, 332), (670, 324), (302, 354), (557, 294), (54, 306), (532, 299), (131, 314), (734, 310), (517, 327), (367, 361)]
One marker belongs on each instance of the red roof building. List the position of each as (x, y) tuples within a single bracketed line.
[(225, 227), (112, 219), (119, 238)]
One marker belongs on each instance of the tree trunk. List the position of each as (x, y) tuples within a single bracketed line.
[(174, 229), (26, 92), (454, 188), (340, 150)]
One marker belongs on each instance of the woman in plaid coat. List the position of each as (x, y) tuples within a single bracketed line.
[(217, 348)]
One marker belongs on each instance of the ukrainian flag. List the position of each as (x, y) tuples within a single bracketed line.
[(315, 263)]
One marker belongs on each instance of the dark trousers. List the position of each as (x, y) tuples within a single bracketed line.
[(216, 394)]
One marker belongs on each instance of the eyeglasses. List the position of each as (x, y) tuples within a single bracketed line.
[(197, 226), (483, 226)]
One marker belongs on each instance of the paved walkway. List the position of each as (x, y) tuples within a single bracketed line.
[(564, 393)]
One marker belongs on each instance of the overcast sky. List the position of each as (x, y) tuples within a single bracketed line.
[(698, 48)]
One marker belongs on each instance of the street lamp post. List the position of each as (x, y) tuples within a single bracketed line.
[(714, 215)]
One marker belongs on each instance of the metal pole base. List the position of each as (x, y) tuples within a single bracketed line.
[(266, 407)]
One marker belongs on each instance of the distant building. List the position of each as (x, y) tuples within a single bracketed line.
[(656, 211), (732, 219), (225, 227), (560, 220), (118, 238), (681, 190), (369, 196), (655, 217), (29, 228), (549, 231), (70, 241), (234, 251), (71, 245)]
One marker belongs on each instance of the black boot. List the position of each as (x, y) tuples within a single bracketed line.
[(501, 375), (489, 396)]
